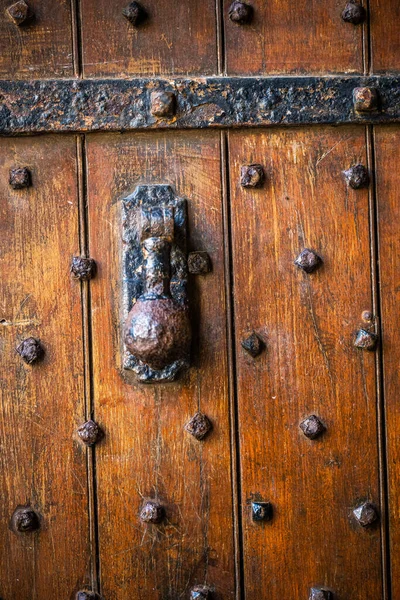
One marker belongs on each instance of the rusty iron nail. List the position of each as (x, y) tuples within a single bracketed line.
[(198, 426), (261, 511), (357, 177), (30, 350), (312, 427), (20, 12), (320, 594), (25, 520), (251, 176), (199, 263), (240, 12), (134, 13), (90, 433), (83, 268), (253, 345), (20, 178), (152, 512), (162, 104), (87, 595), (308, 260), (200, 592), (365, 514), (354, 13), (367, 316), (366, 340), (365, 99)]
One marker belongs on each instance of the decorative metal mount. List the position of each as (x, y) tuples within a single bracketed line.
[(157, 329), (131, 104)]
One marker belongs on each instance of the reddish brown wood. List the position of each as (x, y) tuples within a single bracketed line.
[(40, 48), (306, 37), (146, 452), (387, 184), (310, 365), (177, 37), (41, 460), (385, 46)]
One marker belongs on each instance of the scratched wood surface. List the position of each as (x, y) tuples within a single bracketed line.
[(309, 367), (305, 37), (387, 141), (385, 39), (41, 462), (176, 37), (42, 48), (146, 452)]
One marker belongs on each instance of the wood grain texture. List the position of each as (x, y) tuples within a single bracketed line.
[(385, 39), (308, 37), (41, 462), (176, 38), (147, 453), (387, 141), (42, 48), (310, 366)]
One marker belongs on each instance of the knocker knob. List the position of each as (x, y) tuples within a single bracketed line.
[(157, 329)]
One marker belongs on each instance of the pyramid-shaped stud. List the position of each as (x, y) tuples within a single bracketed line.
[(366, 340), (200, 592), (261, 511), (312, 427), (320, 594), (199, 426), (90, 433), (253, 345), (308, 260), (152, 512), (134, 13), (365, 514)]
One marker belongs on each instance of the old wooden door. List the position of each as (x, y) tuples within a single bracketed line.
[(236, 163)]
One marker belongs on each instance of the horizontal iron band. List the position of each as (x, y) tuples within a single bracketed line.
[(124, 105)]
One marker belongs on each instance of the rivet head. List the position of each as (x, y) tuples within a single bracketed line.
[(162, 104), (366, 340), (198, 426), (253, 345), (30, 350), (199, 263), (367, 316), (152, 512), (320, 594), (357, 177), (354, 13), (365, 99), (20, 12), (25, 520), (365, 514), (83, 268), (90, 433), (134, 13), (240, 12), (312, 427), (308, 260), (20, 178), (251, 176), (261, 511), (200, 592)]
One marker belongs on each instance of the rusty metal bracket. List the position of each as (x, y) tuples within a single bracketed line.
[(127, 105), (155, 311)]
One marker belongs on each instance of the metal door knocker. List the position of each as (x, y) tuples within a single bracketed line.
[(157, 329)]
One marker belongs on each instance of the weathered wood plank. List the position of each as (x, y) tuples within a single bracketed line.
[(41, 461), (175, 38), (146, 452), (310, 365), (40, 47)]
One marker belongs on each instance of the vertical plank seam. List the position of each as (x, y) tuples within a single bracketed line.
[(232, 387), (76, 38), (87, 362), (221, 37), (380, 404), (367, 41)]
